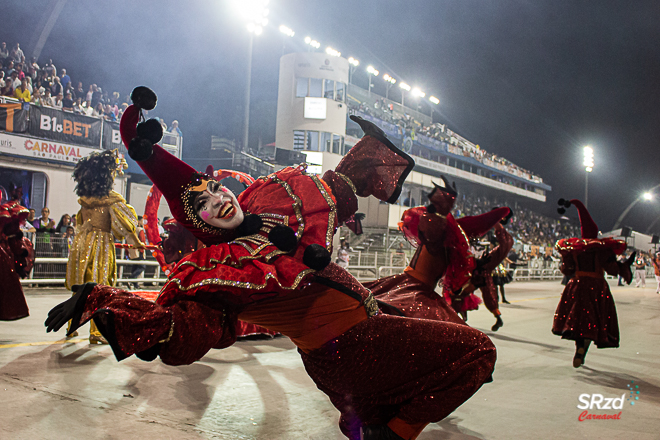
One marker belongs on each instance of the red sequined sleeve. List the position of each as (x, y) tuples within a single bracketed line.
[(185, 330)]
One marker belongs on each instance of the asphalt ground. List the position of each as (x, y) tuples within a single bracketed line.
[(51, 388)]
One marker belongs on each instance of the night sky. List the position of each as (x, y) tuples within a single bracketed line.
[(533, 81)]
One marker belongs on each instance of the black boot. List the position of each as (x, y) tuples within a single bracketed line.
[(581, 348), (378, 432), (498, 323)]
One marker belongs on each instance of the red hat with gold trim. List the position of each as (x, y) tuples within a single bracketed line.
[(177, 180)]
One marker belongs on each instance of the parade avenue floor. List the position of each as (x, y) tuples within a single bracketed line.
[(51, 388)]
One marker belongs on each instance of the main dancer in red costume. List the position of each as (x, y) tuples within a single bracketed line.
[(384, 386), (586, 311), (15, 261)]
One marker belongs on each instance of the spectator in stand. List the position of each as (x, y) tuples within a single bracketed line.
[(16, 54), (78, 106), (27, 227), (80, 92), (108, 113), (65, 221), (47, 99), (50, 69), (19, 69), (31, 218), (16, 81), (22, 93), (56, 87), (4, 52), (2, 79), (97, 94), (89, 95), (174, 129), (66, 79), (29, 84), (69, 235), (58, 101), (98, 110), (8, 67), (8, 89), (45, 223), (33, 69), (67, 103)]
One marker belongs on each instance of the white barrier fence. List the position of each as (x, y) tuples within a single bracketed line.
[(58, 263)]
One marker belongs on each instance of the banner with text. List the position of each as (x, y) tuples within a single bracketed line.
[(13, 118), (50, 123), (41, 149), (112, 138)]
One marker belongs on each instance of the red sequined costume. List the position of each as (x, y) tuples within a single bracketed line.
[(483, 276), (16, 259), (362, 359), (586, 309)]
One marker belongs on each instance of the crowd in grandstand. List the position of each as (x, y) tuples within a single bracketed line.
[(525, 227), (411, 128), (42, 86)]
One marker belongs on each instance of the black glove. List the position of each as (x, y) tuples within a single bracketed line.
[(71, 309), (624, 268)]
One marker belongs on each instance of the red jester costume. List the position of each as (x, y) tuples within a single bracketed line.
[(384, 386), (16, 259), (442, 251), (586, 311)]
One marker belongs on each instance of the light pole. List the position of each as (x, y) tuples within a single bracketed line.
[(647, 196), (434, 101), (371, 71), (255, 13), (353, 63), (286, 32), (418, 94), (404, 88), (312, 43), (390, 82), (588, 163)]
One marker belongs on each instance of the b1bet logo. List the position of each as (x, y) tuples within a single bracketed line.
[(66, 126)]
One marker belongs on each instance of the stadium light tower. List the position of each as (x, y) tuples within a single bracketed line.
[(255, 14), (312, 43), (404, 88), (286, 32), (434, 101), (353, 63), (646, 197), (588, 167), (371, 71), (390, 82)]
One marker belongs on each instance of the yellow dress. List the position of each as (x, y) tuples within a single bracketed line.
[(92, 255)]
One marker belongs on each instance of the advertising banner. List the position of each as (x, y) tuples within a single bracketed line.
[(13, 118), (53, 124), (112, 138), (41, 149)]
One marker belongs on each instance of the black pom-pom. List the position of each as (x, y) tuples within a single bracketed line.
[(251, 225), (431, 209), (283, 237), (561, 211), (506, 219), (316, 256), (140, 149), (144, 98), (151, 130), (561, 201), (567, 204)]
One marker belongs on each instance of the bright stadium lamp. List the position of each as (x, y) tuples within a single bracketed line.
[(255, 14), (418, 93), (332, 52), (645, 196), (353, 63), (372, 72), (390, 82), (434, 100), (404, 87), (287, 31)]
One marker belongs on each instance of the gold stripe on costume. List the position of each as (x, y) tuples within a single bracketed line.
[(238, 284), (331, 215)]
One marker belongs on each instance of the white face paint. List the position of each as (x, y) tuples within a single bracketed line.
[(217, 206)]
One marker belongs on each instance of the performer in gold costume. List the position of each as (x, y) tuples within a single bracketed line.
[(104, 215)]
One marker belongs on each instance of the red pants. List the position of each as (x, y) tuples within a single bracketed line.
[(415, 369)]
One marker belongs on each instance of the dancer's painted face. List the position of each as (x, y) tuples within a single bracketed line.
[(217, 206)]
